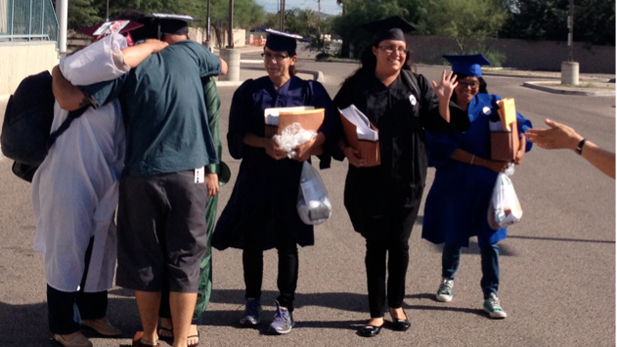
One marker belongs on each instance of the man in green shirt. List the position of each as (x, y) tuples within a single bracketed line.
[(163, 191)]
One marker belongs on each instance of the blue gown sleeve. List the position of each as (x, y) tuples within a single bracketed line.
[(524, 124), (321, 99), (239, 119), (440, 148)]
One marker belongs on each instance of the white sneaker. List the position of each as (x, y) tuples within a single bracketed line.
[(444, 293), (492, 305)]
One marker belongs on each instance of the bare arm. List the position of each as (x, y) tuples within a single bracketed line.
[(520, 153), (136, 54), (224, 66), (444, 92), (471, 159), (68, 96), (561, 136)]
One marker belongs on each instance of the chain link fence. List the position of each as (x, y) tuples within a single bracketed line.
[(28, 20)]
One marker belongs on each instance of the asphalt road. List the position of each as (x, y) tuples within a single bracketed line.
[(557, 266)]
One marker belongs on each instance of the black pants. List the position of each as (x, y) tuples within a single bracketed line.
[(63, 319), (252, 261), (387, 248)]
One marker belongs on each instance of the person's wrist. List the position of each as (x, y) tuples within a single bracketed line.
[(575, 141)]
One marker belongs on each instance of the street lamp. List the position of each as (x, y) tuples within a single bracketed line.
[(570, 68)]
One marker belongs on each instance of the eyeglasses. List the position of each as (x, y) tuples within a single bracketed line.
[(277, 57), (391, 49), (472, 85)]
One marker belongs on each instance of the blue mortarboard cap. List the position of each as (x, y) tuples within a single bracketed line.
[(467, 64), (280, 41)]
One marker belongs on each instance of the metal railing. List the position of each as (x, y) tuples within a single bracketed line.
[(28, 20)]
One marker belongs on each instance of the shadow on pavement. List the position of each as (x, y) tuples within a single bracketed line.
[(504, 249)]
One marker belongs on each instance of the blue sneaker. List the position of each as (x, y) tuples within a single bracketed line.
[(492, 305), (253, 309), (283, 321)]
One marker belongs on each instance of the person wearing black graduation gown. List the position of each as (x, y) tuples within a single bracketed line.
[(383, 201), (261, 213)]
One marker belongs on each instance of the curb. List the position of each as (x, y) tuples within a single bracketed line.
[(538, 85), (584, 79), (317, 75)]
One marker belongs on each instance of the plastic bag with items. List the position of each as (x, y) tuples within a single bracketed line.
[(293, 136), (504, 208), (313, 204)]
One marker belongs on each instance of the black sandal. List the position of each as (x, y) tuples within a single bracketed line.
[(168, 331)]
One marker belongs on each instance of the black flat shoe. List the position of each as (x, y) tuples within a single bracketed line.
[(369, 331), (401, 324)]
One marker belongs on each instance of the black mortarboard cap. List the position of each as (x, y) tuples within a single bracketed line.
[(174, 23), (469, 64), (105, 28), (280, 41), (392, 28)]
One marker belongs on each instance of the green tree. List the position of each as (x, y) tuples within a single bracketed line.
[(358, 12), (82, 13), (594, 21), (462, 22), (247, 15)]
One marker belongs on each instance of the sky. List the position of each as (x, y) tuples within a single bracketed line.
[(327, 6)]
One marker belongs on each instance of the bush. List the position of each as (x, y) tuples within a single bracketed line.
[(322, 56)]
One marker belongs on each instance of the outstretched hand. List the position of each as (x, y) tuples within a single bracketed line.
[(558, 136), (445, 89)]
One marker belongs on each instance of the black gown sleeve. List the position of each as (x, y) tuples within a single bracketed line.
[(343, 99), (431, 118), (239, 119)]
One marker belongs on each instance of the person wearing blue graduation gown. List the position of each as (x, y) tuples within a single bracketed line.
[(261, 213), (457, 203), (383, 201)]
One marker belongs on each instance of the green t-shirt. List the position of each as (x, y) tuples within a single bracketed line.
[(164, 110)]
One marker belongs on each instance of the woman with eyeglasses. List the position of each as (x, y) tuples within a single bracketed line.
[(456, 206), (383, 200), (261, 213)]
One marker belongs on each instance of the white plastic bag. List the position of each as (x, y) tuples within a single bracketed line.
[(313, 204), (100, 61), (504, 208), (293, 136)]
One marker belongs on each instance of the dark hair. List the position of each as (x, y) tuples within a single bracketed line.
[(483, 85), (368, 61), (148, 31), (292, 68)]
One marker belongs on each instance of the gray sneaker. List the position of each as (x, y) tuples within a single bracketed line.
[(283, 321), (492, 305), (444, 293), (253, 309)]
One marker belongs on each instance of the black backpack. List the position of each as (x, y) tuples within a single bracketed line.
[(26, 136)]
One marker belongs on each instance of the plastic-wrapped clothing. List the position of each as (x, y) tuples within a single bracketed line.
[(265, 185), (401, 114), (457, 203), (75, 190)]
